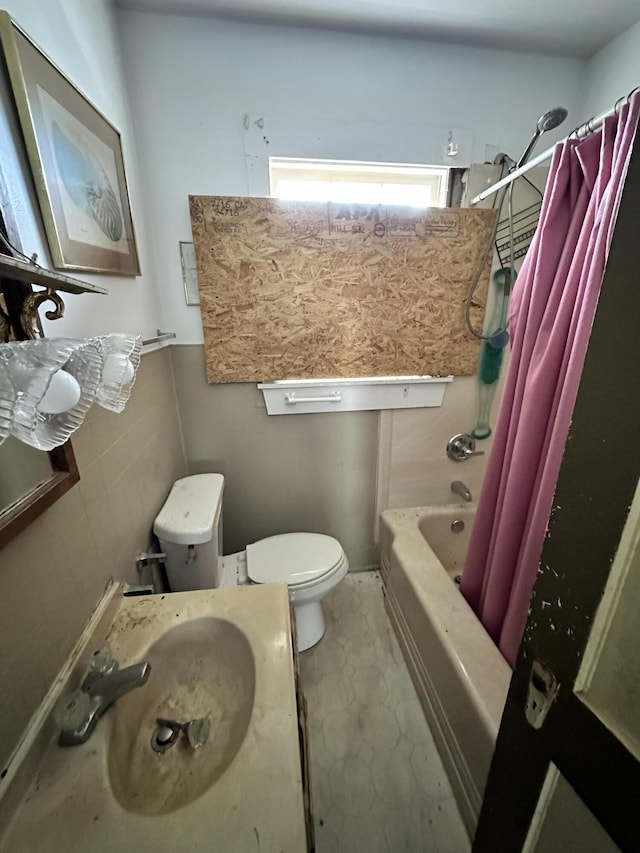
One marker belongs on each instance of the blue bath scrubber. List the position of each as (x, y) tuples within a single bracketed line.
[(491, 355)]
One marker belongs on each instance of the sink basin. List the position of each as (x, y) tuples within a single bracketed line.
[(225, 654), (200, 668)]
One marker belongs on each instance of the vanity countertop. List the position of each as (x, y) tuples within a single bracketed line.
[(104, 795)]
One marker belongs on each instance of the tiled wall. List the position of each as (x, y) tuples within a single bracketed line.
[(413, 467), (52, 575)]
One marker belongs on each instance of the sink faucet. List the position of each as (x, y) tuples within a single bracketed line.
[(459, 488), (103, 684)]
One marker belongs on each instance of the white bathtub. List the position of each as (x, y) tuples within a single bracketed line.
[(461, 677)]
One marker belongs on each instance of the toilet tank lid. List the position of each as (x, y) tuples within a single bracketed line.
[(191, 511)]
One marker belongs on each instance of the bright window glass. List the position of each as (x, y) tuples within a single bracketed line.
[(358, 183)]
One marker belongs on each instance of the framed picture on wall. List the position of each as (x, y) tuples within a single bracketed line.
[(189, 273), (76, 160)]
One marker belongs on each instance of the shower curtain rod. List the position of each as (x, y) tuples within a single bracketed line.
[(580, 132)]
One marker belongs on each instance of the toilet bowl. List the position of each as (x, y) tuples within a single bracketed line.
[(189, 527), (311, 564)]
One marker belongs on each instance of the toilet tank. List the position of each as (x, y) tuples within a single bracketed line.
[(189, 527)]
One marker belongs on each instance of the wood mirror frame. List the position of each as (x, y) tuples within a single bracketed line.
[(64, 474)]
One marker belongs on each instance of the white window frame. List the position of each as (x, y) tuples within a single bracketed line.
[(283, 169)]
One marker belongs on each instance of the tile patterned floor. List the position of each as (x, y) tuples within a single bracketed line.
[(378, 784)]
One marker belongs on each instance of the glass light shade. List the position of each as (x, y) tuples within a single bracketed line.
[(7, 400), (46, 376), (121, 354)]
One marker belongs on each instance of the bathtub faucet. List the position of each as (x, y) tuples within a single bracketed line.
[(459, 488)]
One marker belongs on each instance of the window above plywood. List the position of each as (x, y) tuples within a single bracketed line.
[(356, 182)]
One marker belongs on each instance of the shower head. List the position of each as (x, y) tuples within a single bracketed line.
[(548, 121), (551, 119)]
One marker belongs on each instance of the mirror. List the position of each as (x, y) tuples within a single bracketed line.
[(30, 480), (22, 469), (62, 475)]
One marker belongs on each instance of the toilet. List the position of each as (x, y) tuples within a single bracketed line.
[(189, 527)]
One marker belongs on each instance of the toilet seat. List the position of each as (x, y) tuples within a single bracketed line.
[(297, 559), (337, 569)]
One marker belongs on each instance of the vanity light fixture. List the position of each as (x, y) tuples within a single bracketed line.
[(48, 385), (121, 360), (7, 399)]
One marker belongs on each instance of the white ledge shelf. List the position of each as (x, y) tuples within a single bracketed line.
[(306, 396)]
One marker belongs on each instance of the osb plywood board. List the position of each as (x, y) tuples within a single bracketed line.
[(294, 290)]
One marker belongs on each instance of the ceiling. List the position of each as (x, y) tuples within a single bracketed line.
[(566, 27)]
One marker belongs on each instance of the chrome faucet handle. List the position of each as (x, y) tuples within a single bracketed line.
[(102, 663), (461, 447), (79, 711)]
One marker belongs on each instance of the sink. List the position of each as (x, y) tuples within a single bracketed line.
[(201, 668), (222, 654)]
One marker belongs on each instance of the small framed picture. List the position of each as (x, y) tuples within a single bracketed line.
[(76, 160), (189, 273)]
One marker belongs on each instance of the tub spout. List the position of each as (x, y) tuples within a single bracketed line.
[(459, 488)]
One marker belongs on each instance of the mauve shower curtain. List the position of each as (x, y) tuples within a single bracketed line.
[(552, 311)]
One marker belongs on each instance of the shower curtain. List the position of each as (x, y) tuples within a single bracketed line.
[(553, 307)]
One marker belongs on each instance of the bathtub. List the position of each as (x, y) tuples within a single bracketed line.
[(459, 674)]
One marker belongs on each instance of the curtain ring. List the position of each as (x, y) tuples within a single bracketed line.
[(631, 93), (582, 130), (618, 104)]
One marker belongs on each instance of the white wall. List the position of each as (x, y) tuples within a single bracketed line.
[(612, 73), (192, 79), (82, 39)]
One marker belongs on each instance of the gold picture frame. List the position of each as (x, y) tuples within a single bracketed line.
[(76, 160)]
